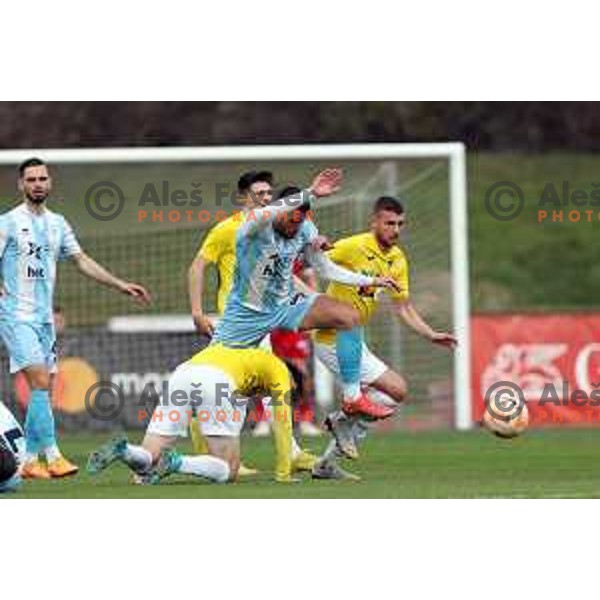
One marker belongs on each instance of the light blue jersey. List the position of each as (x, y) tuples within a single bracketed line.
[(263, 297), (263, 278), (30, 246)]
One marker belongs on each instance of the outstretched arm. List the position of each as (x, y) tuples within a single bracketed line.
[(327, 269), (410, 315), (90, 268), (325, 184)]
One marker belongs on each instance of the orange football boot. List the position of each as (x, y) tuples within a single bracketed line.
[(35, 469), (61, 467), (365, 407)]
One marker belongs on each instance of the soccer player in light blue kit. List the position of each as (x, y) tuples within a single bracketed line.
[(264, 297), (32, 240)]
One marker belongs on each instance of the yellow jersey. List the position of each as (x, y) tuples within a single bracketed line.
[(362, 254), (251, 369), (219, 249)]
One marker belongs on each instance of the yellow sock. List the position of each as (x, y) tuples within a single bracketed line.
[(282, 438), (198, 441)]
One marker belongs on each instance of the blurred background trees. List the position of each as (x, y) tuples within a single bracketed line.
[(500, 126)]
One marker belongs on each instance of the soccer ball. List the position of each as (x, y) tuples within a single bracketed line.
[(506, 422)]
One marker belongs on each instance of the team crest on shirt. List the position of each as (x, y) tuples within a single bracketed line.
[(35, 253)]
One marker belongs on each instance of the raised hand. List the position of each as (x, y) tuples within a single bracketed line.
[(327, 183)]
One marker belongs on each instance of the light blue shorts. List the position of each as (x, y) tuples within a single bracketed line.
[(243, 327), (29, 344)]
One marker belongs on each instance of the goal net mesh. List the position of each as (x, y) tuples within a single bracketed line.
[(155, 238)]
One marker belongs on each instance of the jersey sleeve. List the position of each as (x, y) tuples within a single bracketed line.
[(213, 246), (343, 253), (260, 218), (401, 275), (310, 230), (69, 246), (4, 234)]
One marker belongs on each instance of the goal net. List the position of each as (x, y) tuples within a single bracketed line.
[(168, 199)]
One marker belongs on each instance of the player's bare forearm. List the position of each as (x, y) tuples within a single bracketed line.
[(90, 268), (412, 318), (196, 285), (196, 291)]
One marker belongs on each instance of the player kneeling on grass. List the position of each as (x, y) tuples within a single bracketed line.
[(216, 384)]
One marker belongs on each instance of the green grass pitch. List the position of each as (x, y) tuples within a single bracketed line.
[(547, 464)]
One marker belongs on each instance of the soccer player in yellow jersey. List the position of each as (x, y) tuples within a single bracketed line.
[(255, 190), (375, 254), (216, 384)]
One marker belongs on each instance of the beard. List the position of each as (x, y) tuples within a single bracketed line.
[(37, 199)]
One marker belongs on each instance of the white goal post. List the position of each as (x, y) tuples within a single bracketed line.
[(454, 153)]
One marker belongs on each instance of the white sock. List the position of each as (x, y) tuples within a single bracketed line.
[(351, 391), (208, 467), (268, 414), (331, 452), (31, 457), (360, 431), (296, 450), (52, 453), (137, 458), (382, 398)]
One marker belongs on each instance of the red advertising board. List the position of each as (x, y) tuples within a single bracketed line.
[(554, 359)]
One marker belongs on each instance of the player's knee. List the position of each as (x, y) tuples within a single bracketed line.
[(392, 389), (347, 318), (399, 390), (39, 379), (155, 444)]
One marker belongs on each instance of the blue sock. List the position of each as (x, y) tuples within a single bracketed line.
[(349, 345), (39, 423)]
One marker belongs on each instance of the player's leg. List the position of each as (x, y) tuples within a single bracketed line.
[(221, 423), (391, 388), (169, 422), (350, 432), (328, 313), (39, 422), (58, 465), (139, 458), (26, 355), (199, 443)]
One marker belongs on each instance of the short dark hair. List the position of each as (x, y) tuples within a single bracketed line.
[(292, 191), (247, 180), (30, 162), (388, 203)]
